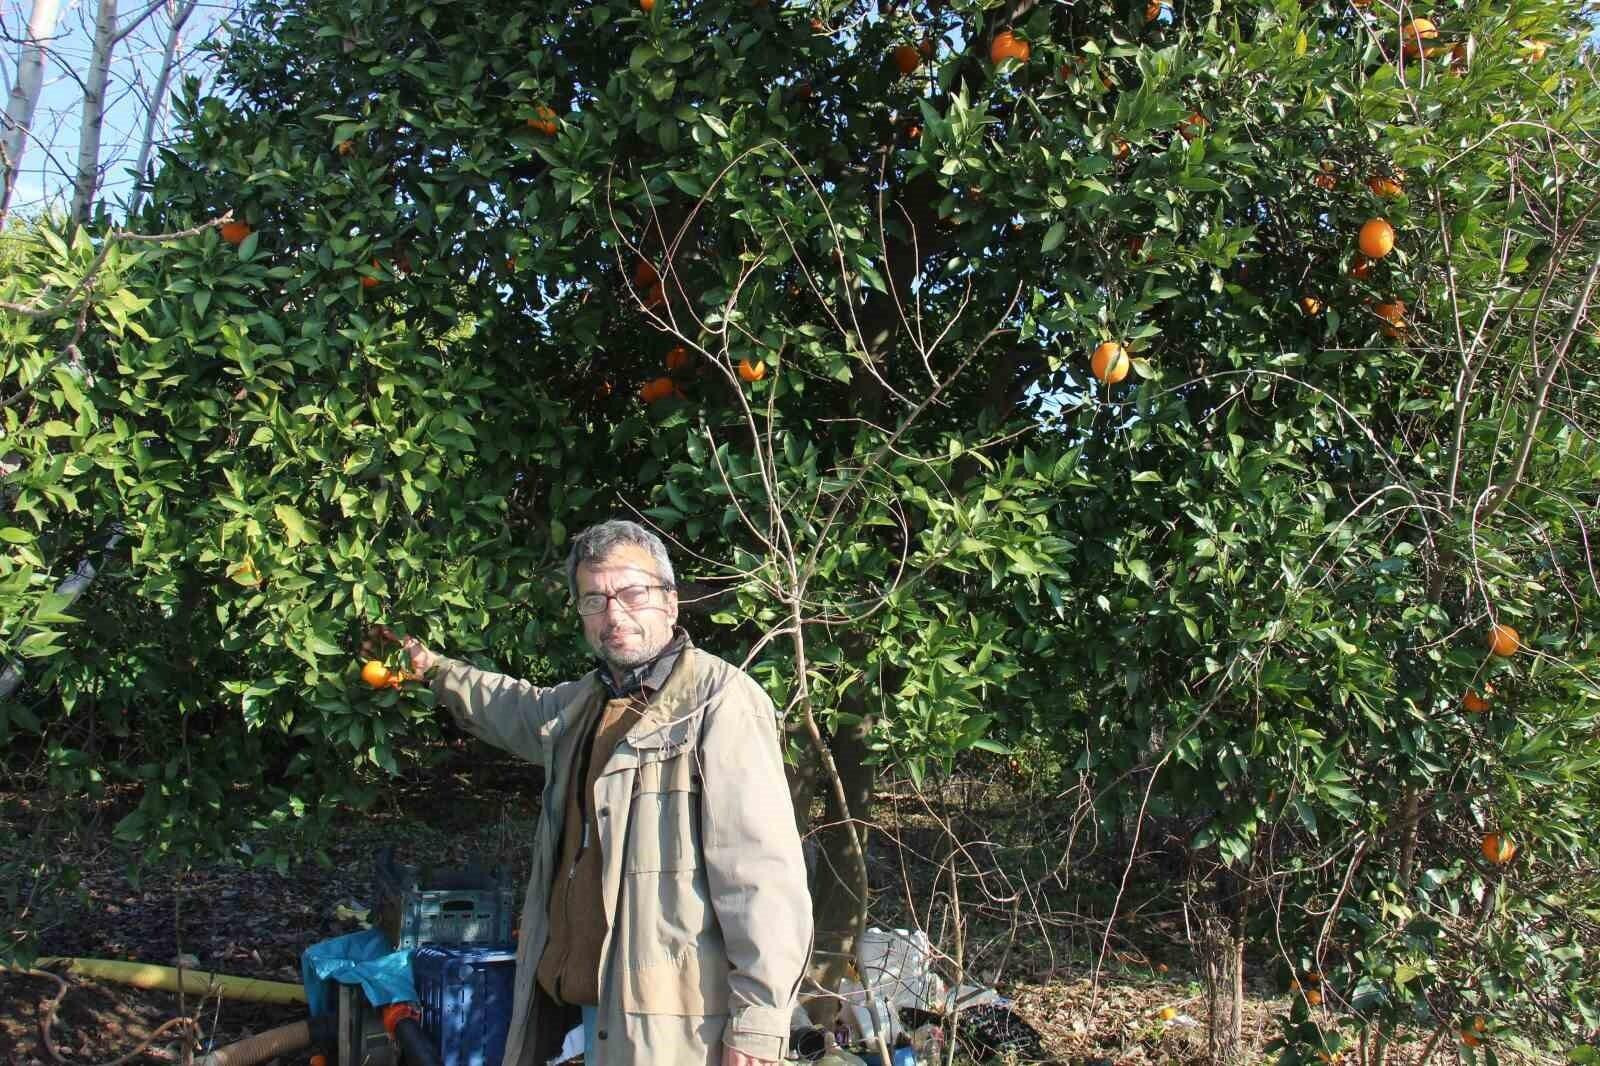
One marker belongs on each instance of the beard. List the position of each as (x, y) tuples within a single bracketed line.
[(634, 654)]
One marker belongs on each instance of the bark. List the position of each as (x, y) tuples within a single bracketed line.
[(1218, 932), (158, 98), (87, 179), (1221, 958), (1411, 826), (24, 98), (839, 900)]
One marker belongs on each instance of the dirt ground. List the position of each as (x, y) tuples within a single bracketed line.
[(255, 923)]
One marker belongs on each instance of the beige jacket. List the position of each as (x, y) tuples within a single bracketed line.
[(709, 919)]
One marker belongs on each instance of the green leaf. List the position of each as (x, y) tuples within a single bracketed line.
[(1053, 237), (294, 524)]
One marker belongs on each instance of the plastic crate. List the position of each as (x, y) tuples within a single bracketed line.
[(445, 907), (452, 918), (465, 994)]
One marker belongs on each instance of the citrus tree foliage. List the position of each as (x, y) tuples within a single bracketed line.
[(815, 288)]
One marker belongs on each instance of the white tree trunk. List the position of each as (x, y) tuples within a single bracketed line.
[(158, 98), (87, 180), (24, 98)]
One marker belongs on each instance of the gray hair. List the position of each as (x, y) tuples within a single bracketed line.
[(597, 542)]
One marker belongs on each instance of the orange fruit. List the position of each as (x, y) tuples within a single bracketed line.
[(751, 372), (818, 26), (1007, 45), (1415, 32), (1503, 640), (376, 674), (644, 274), (603, 390), (1325, 181), (913, 132), (367, 280), (657, 389), (647, 6), (906, 59), (1478, 1024), (1499, 848), (1376, 239), (544, 121), (1110, 363), (346, 147), (677, 359), (234, 232), (1166, 1014), (1311, 305), (1393, 314), (1152, 10), (1458, 59), (1475, 703), (1384, 188), (1314, 996), (1469, 1038), (1190, 127), (1120, 149), (1360, 266)]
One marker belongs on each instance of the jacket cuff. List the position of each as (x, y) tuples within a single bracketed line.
[(760, 1032), (442, 667)]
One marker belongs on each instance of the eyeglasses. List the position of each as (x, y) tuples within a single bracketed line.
[(632, 598)]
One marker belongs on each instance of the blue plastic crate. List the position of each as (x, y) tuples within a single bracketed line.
[(465, 994)]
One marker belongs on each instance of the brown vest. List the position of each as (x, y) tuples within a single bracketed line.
[(569, 969)]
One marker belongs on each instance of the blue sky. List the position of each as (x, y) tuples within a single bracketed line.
[(51, 159)]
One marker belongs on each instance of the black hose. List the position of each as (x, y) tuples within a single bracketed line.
[(416, 1049)]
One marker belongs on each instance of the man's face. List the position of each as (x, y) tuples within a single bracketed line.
[(624, 638)]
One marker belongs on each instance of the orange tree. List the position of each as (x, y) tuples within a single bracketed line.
[(824, 310)]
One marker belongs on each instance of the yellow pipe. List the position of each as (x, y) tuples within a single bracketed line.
[(195, 982)]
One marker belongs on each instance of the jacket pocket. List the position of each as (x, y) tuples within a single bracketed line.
[(664, 826)]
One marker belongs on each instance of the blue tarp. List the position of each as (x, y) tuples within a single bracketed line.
[(364, 959)]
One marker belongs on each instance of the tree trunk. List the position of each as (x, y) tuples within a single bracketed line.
[(1220, 954), (87, 180), (24, 98), (839, 899), (1218, 932), (158, 97)]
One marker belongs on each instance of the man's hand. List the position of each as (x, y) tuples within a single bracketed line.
[(422, 660), (730, 1057)]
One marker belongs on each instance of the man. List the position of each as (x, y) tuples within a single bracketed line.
[(667, 906)]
